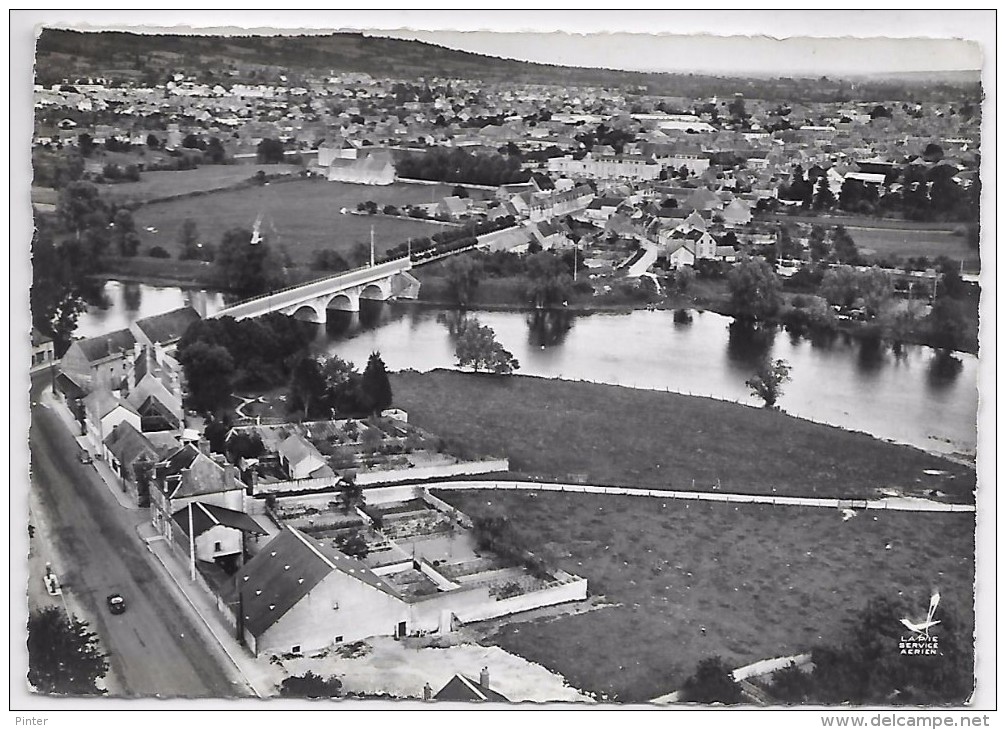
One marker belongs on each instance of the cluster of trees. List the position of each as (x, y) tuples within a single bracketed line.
[(114, 173), (451, 239), (326, 259), (755, 291), (849, 288), (811, 189), (459, 166), (247, 266), (927, 193), (270, 151), (64, 657), (868, 668), (602, 134), (836, 247), (67, 249), (213, 150), (56, 294), (327, 387), (476, 347), (221, 355), (550, 280)]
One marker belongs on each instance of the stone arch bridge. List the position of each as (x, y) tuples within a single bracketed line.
[(311, 301)]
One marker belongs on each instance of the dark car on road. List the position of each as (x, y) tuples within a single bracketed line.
[(86, 458), (116, 603)]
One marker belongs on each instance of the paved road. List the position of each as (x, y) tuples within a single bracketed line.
[(156, 647)]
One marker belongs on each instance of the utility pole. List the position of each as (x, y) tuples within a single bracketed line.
[(372, 246), (192, 548)]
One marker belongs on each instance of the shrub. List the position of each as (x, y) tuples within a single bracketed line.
[(158, 252)]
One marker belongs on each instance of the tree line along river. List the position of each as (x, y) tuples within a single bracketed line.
[(919, 396)]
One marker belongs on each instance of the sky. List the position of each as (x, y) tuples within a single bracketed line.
[(756, 55), (866, 41)]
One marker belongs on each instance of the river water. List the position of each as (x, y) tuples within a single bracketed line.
[(919, 396)]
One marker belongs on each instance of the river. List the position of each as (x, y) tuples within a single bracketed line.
[(918, 397)]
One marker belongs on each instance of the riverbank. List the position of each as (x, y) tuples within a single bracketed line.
[(603, 434), (501, 294)]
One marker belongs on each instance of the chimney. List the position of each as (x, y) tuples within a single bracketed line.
[(484, 678)]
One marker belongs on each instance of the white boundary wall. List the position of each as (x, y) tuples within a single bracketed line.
[(905, 504)]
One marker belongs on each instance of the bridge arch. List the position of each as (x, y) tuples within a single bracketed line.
[(380, 290), (309, 312), (344, 301)]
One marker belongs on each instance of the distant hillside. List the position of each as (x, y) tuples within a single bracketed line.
[(65, 55)]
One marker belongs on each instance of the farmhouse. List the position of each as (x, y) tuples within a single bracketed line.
[(301, 593)]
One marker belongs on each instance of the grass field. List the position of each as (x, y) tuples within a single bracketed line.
[(551, 429), (764, 581), (155, 185), (904, 243), (302, 216)]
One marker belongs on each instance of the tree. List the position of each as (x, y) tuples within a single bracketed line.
[(712, 681), (270, 151), (124, 233), (215, 151), (375, 385), (63, 655), (312, 686), (768, 380), (208, 370), (476, 347), (80, 207), (143, 472), (354, 545), (329, 260), (823, 197), (754, 289), (869, 668), (307, 387), (152, 141), (684, 277), (819, 248), (55, 300), (459, 191), (188, 237), (948, 324), (549, 280), (342, 386), (463, 274), (85, 143), (350, 493), (246, 267), (844, 247)]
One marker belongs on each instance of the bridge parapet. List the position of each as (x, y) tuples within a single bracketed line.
[(316, 294)]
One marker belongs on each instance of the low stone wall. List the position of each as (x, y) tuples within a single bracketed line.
[(389, 476), (563, 593)]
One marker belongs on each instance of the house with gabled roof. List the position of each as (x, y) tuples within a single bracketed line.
[(103, 411), (164, 329), (462, 688), (219, 535), (188, 475), (99, 362), (297, 595), (301, 459), (42, 348)]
